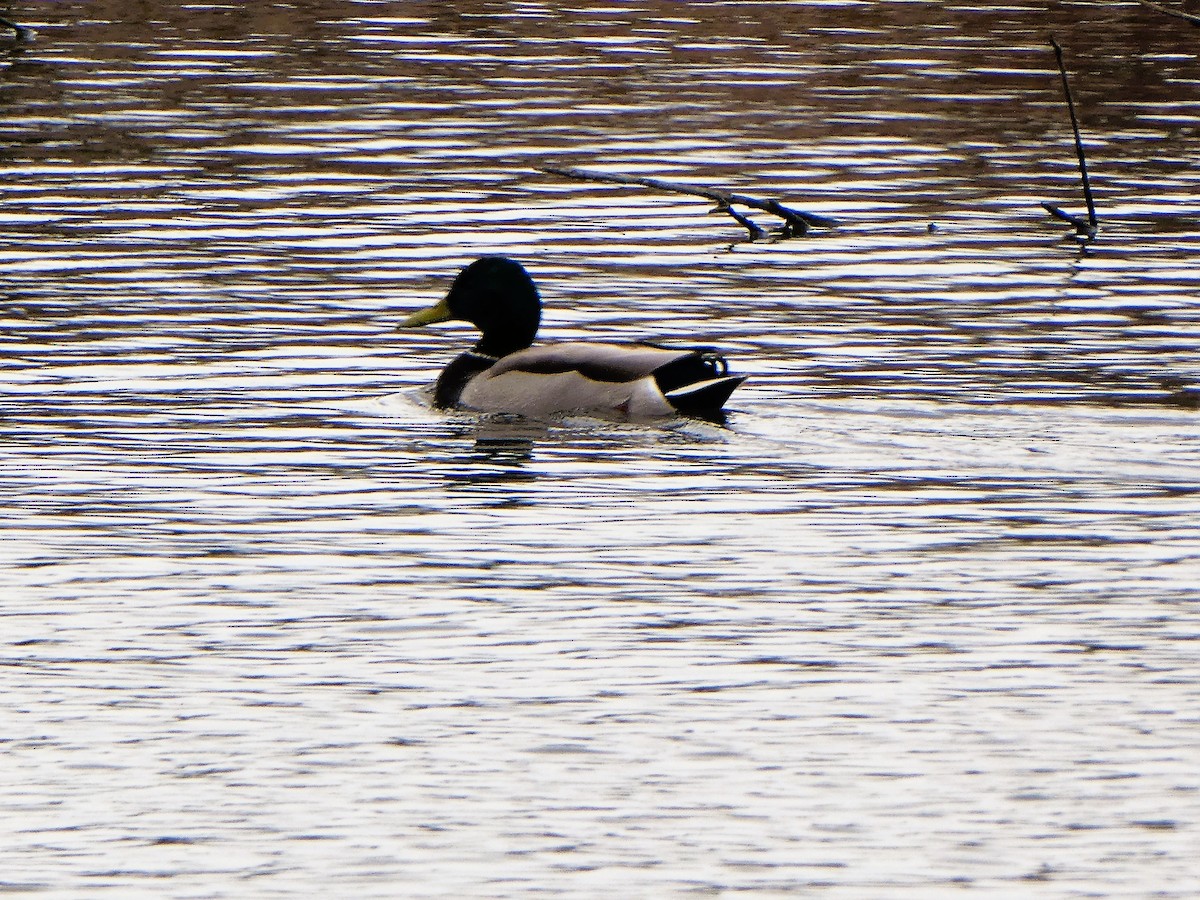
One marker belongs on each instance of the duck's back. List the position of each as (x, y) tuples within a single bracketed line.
[(594, 361)]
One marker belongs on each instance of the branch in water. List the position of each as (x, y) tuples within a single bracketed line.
[(796, 221), (1082, 226), (1085, 229), (23, 34), (1174, 13), (756, 230)]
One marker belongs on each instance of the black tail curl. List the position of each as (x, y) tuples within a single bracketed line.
[(703, 364), (698, 384)]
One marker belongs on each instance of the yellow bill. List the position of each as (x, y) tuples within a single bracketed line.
[(439, 312)]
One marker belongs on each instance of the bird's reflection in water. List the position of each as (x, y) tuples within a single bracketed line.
[(502, 446), (508, 443)]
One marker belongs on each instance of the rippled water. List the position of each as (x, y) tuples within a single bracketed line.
[(921, 619)]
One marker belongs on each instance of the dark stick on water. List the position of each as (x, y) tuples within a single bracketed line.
[(796, 221), (756, 230), (1087, 187), (22, 33), (1178, 14)]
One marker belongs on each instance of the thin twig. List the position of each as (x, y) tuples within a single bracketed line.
[(1088, 229), (1175, 13), (22, 33), (756, 231), (1080, 224), (797, 222)]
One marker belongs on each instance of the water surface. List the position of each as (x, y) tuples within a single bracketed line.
[(920, 619)]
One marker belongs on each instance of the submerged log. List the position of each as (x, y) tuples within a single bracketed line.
[(796, 222)]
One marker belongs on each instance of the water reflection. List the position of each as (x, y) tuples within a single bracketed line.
[(501, 447)]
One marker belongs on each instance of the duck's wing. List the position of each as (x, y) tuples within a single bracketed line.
[(594, 361)]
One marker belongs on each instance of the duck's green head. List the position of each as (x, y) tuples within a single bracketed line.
[(497, 296)]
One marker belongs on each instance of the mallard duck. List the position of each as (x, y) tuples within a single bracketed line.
[(504, 373)]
